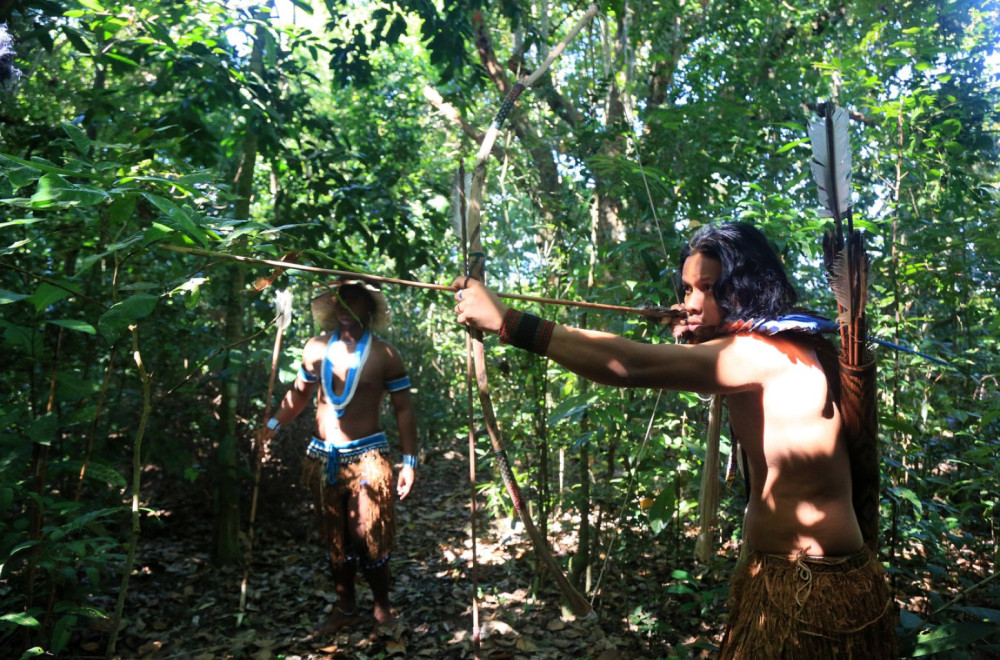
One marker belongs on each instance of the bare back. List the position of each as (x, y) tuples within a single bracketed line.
[(790, 428)]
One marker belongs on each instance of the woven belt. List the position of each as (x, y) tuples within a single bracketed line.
[(333, 456)]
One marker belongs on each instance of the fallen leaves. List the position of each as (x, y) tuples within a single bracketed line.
[(181, 606)]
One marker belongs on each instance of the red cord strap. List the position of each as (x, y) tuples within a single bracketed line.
[(526, 331)]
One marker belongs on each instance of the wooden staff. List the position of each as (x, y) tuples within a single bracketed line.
[(283, 317)]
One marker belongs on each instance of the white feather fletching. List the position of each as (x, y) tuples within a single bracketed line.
[(832, 194), (840, 283), (283, 307)]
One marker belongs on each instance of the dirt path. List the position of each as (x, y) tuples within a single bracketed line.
[(182, 607)]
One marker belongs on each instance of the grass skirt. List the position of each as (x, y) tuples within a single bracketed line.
[(356, 514), (814, 608)]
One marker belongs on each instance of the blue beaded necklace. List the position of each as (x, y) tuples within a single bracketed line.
[(356, 363)]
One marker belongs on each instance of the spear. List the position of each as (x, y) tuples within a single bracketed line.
[(282, 318)]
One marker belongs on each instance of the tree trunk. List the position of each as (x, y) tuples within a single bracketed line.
[(225, 547), (225, 544)]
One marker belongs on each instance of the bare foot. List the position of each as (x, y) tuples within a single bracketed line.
[(385, 624), (333, 624), (384, 617)]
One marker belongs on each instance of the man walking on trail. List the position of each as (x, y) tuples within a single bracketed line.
[(347, 466), (806, 585)]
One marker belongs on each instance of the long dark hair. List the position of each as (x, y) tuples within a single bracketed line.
[(753, 284)]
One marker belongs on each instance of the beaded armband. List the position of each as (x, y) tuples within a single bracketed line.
[(274, 424), (526, 331), (410, 461)]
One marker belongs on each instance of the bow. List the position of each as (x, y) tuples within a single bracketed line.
[(847, 264), (477, 270)]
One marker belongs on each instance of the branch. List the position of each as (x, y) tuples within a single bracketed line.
[(452, 114)]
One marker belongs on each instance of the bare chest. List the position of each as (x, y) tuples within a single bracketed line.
[(345, 368)]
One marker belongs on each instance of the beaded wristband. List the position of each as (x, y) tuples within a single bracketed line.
[(410, 461), (274, 424), (526, 331)]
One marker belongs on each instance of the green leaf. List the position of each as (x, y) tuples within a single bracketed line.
[(177, 218), (303, 5), (160, 33), (75, 36), (21, 222), (56, 192), (911, 497), (79, 138), (122, 58), (20, 619), (80, 326), (120, 211), (61, 632), (193, 286), (662, 509), (909, 621), (117, 319), (7, 297), (87, 610), (46, 294), (23, 176), (105, 474), (39, 164), (985, 613), (42, 430), (573, 407), (792, 145), (951, 636)]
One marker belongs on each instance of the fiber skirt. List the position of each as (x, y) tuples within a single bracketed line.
[(356, 514), (812, 608)]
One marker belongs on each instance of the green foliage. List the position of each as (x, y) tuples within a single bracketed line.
[(142, 146), (72, 558)]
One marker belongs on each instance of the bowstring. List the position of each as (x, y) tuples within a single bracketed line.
[(625, 499), (633, 142)]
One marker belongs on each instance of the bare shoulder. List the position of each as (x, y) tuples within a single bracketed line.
[(778, 348), (316, 345), (383, 345), (762, 357), (388, 351), (320, 340)]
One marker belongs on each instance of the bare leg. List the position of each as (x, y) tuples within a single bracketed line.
[(346, 614), (378, 577), (343, 577), (344, 573)]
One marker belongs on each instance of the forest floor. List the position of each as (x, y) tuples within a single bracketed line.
[(181, 606)]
